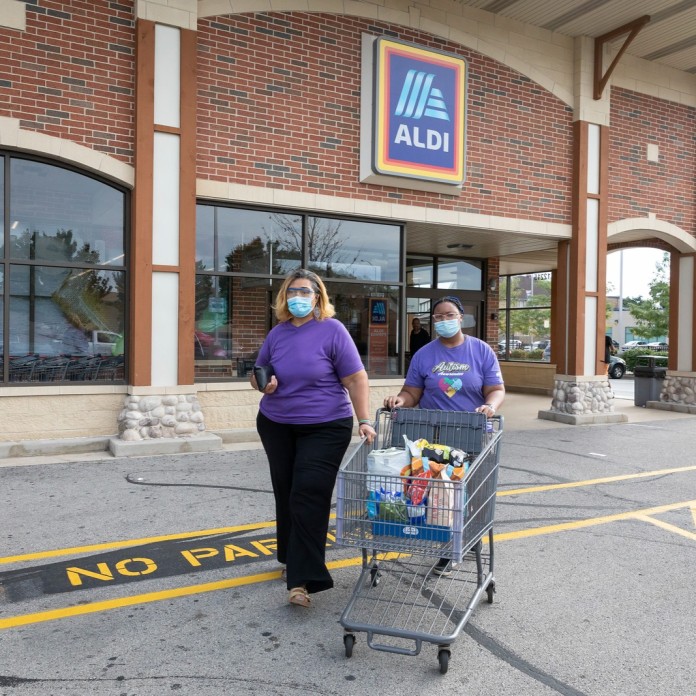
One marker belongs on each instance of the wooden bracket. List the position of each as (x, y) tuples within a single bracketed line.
[(632, 29)]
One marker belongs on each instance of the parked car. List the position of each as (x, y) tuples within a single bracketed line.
[(617, 367), (658, 345), (513, 343), (546, 355), (104, 343), (633, 344)]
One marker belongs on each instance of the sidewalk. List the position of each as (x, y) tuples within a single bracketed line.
[(520, 412)]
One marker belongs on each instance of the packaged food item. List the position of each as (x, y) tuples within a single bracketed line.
[(383, 465), (440, 500), (392, 508)]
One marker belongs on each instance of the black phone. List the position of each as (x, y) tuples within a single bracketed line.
[(263, 374)]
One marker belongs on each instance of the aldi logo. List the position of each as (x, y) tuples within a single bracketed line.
[(419, 112)]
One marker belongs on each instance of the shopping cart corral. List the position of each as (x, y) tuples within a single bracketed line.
[(405, 594)]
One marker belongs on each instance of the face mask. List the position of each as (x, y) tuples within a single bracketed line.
[(448, 328), (300, 306)]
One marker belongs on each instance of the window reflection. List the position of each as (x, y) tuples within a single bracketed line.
[(251, 241), (353, 249), (65, 324), (75, 218), (419, 272), (65, 316), (525, 316), (459, 275), (242, 257)]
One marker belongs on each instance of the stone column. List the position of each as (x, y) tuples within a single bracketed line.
[(161, 412)]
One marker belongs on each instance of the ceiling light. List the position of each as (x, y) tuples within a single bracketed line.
[(457, 245)]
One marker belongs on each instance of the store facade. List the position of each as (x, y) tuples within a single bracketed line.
[(163, 168)]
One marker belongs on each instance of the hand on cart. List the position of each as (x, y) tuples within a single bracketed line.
[(367, 431)]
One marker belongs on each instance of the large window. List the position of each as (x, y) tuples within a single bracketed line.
[(525, 317), (62, 275), (242, 257)]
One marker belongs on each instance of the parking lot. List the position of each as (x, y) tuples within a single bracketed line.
[(150, 575)]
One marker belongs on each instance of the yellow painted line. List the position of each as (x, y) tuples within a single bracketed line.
[(592, 522), (595, 482), (667, 526), (189, 590), (67, 612), (263, 525), (133, 542)]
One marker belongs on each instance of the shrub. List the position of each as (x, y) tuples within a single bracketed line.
[(631, 356)]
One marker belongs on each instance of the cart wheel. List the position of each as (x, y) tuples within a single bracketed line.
[(375, 575), (443, 657), (349, 642), (490, 591)]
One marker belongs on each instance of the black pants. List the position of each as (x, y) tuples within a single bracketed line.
[(304, 462)]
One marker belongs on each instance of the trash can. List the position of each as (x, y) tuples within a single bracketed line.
[(649, 372)]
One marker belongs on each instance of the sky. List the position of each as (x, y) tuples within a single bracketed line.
[(638, 271)]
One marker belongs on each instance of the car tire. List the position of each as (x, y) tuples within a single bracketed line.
[(617, 371)]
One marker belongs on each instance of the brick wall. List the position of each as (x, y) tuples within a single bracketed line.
[(279, 107), (639, 187), (71, 73)]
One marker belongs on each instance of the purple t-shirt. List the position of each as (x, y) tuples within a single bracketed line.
[(452, 379), (309, 362)]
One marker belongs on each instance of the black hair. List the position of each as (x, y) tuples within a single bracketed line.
[(448, 298)]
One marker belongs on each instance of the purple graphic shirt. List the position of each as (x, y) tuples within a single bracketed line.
[(452, 379)]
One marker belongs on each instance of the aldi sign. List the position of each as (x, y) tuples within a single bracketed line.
[(419, 112)]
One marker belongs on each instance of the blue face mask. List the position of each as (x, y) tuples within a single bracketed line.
[(300, 306), (448, 328)]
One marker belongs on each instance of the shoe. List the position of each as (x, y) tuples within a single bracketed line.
[(299, 597), (443, 568), (283, 573)]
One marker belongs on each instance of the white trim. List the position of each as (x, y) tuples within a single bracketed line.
[(13, 15), (634, 229), (165, 329), (590, 353), (165, 199), (12, 136), (167, 76), (685, 314), (592, 245)]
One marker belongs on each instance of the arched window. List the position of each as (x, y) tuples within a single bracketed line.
[(62, 274)]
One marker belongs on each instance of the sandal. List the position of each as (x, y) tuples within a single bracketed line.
[(300, 597), (283, 573)]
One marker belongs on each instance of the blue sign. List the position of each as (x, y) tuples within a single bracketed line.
[(419, 112)]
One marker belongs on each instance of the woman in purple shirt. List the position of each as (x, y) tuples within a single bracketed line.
[(454, 373), (305, 423)]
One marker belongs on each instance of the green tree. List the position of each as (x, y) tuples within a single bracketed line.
[(652, 313)]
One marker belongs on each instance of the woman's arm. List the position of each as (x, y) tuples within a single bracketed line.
[(358, 387), (408, 397), (494, 395)]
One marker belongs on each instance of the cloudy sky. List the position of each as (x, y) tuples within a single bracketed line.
[(638, 271)]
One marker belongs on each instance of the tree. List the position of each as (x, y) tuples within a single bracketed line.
[(652, 313)]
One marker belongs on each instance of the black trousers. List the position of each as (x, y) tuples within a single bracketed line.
[(304, 462)]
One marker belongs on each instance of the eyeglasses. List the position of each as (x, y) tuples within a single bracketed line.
[(302, 292), (446, 317)]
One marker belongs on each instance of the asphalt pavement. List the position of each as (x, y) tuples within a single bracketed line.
[(156, 575)]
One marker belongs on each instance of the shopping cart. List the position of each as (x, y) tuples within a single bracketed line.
[(400, 594)]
